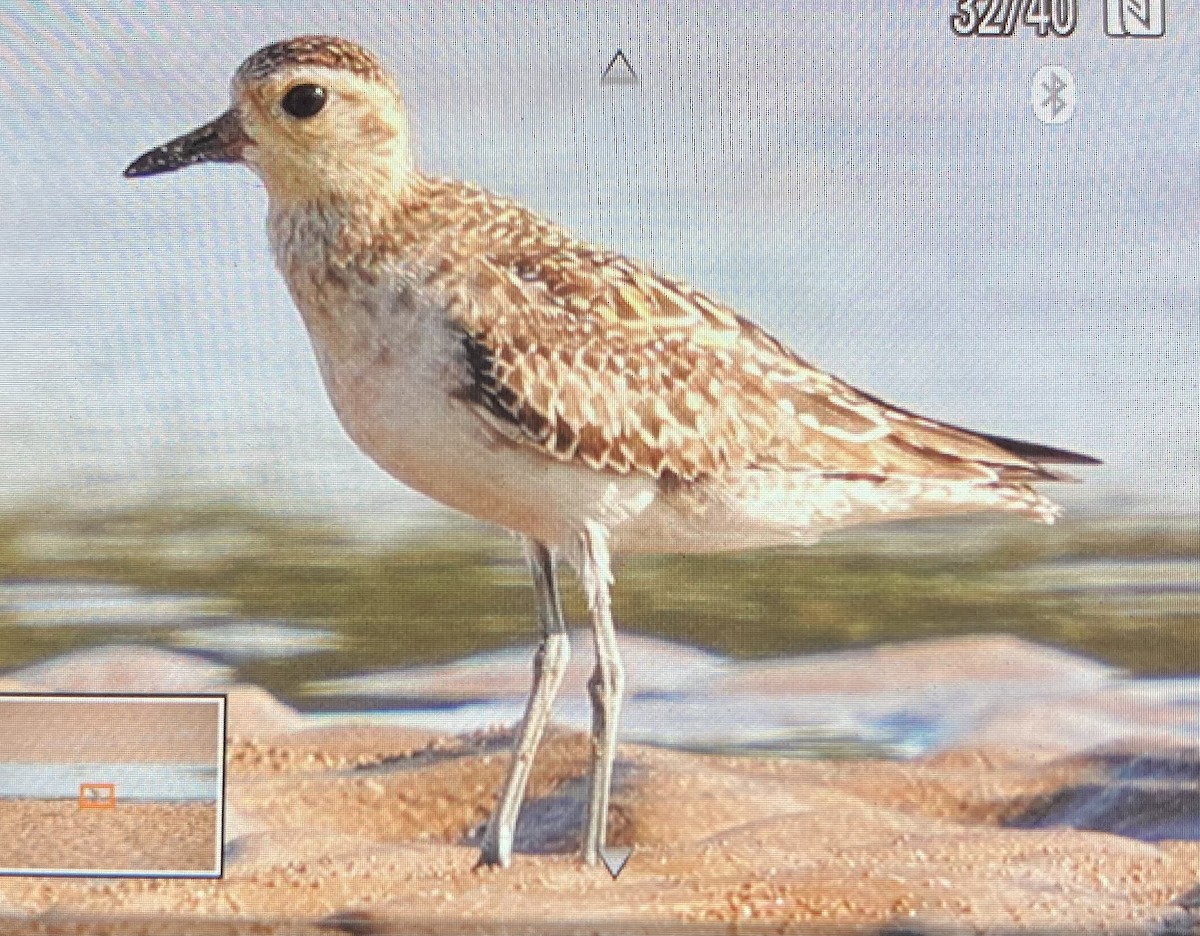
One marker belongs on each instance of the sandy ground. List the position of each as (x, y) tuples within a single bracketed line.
[(75, 730), (365, 830), (58, 835), (347, 829)]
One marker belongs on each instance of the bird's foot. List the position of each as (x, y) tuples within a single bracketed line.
[(491, 860), (494, 852)]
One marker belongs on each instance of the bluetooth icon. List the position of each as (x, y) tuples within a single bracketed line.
[(1053, 95)]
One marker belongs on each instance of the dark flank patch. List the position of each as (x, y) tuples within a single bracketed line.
[(486, 390), (482, 387), (322, 51)]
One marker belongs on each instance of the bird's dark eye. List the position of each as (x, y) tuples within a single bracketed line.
[(304, 100)]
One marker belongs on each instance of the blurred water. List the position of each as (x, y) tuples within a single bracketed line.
[(1131, 580), (897, 700), (258, 640), (84, 604)]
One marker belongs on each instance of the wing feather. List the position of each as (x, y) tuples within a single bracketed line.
[(586, 355)]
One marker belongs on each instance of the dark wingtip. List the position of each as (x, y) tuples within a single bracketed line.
[(1040, 454)]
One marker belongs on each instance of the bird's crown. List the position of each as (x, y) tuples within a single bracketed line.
[(317, 51)]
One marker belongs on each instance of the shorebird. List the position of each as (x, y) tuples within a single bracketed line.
[(486, 357)]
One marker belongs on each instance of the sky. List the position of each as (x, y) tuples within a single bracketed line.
[(874, 190)]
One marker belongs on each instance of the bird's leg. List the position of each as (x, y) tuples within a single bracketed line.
[(549, 665), (606, 687)]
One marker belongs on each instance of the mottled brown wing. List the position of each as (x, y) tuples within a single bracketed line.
[(586, 355)]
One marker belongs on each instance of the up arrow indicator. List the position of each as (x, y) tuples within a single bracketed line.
[(615, 859), (619, 71)]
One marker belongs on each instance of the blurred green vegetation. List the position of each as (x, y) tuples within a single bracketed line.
[(453, 589)]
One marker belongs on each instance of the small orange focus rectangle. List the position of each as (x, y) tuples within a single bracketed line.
[(97, 796)]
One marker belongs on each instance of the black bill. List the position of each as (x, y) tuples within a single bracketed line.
[(220, 140)]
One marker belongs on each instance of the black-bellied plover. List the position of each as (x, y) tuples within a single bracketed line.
[(484, 356)]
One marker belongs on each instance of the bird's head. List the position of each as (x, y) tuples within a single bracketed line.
[(315, 117)]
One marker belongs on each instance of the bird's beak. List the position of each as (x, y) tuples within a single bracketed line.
[(220, 140)]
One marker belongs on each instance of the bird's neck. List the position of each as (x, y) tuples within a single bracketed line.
[(350, 230)]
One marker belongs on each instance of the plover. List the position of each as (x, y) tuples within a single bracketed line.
[(485, 356)]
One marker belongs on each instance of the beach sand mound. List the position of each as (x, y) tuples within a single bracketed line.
[(370, 829)]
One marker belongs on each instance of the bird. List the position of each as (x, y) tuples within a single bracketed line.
[(487, 357)]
